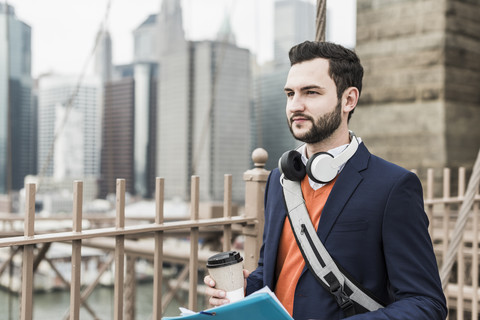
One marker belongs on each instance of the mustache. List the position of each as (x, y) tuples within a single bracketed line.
[(302, 115)]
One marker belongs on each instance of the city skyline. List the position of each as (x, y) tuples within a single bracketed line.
[(80, 25), (68, 161)]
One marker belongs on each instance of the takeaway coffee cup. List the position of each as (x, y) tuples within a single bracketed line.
[(226, 268)]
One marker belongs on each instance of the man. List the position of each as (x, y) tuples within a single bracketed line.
[(370, 217)]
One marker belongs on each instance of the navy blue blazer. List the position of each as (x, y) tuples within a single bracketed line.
[(374, 225)]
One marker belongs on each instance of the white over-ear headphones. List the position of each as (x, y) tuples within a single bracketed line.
[(322, 167)]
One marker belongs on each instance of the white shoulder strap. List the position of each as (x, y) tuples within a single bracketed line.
[(317, 257)]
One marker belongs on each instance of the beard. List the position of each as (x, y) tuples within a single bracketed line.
[(322, 128)]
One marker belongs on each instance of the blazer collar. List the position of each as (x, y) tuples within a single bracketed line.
[(348, 180)]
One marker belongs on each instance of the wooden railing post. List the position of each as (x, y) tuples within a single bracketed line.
[(446, 213), (158, 253), (255, 181), (75, 283), (461, 253), (130, 288), (194, 236), (227, 211), (475, 253), (27, 266), (119, 251)]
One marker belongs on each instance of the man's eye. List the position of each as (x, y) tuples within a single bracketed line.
[(289, 94), (312, 92)]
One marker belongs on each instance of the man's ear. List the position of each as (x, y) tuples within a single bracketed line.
[(350, 99)]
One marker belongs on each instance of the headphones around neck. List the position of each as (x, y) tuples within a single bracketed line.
[(322, 167)]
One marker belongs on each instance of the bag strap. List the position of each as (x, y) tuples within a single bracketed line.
[(345, 291)]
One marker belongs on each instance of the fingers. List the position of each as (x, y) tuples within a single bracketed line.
[(217, 301), (209, 281), (217, 297), (246, 273)]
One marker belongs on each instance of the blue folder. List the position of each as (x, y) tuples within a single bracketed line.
[(257, 306)]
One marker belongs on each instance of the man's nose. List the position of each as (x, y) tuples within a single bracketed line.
[(296, 104)]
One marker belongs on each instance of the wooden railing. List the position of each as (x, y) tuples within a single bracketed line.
[(462, 291), (251, 224)]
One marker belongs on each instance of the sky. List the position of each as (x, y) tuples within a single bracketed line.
[(63, 31)]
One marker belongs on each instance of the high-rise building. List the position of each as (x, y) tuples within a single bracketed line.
[(103, 56), (145, 76), (145, 41), (220, 113), (271, 129), (294, 22), (130, 100), (17, 136), (68, 158), (60, 115), (203, 111), (118, 133), (144, 134), (171, 36)]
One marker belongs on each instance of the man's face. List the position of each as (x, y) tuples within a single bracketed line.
[(313, 110)]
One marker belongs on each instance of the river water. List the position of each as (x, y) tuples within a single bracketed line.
[(54, 305)]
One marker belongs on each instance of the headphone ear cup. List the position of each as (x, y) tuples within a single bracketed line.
[(319, 168), (291, 165)]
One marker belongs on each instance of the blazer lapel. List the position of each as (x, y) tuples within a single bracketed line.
[(278, 213), (346, 183)]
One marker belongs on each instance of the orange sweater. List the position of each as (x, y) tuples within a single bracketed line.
[(290, 261)]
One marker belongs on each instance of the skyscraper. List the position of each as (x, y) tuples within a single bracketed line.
[(294, 22), (271, 128), (145, 76), (220, 113), (118, 135), (103, 56), (203, 110), (129, 118), (17, 138), (145, 44), (55, 115)]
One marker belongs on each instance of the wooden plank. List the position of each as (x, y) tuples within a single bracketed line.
[(158, 250), (75, 283), (446, 216), (193, 266), (28, 257), (128, 230), (119, 251), (27, 283), (130, 289), (475, 253), (227, 212), (460, 254)]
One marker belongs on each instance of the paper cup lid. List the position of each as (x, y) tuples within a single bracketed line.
[(224, 259)]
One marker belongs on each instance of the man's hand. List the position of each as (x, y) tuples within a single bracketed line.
[(217, 296)]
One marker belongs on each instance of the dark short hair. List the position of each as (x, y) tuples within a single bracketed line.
[(344, 65)]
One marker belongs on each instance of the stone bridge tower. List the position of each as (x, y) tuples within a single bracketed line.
[(420, 106)]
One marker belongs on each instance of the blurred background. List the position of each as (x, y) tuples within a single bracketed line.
[(99, 90)]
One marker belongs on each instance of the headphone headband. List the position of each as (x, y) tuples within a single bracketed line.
[(346, 154)]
